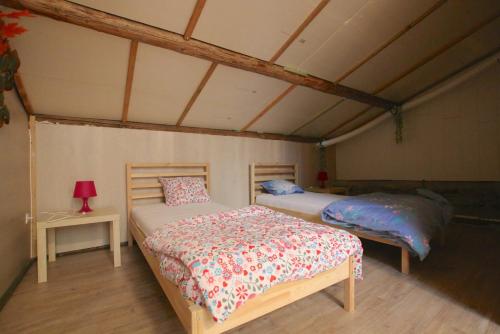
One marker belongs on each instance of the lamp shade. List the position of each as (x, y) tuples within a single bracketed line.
[(84, 189), (322, 176)]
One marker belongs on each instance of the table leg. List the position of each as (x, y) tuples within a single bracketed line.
[(111, 236), (51, 236), (116, 243), (41, 243)]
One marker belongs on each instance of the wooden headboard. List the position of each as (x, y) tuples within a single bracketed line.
[(143, 186), (261, 172)]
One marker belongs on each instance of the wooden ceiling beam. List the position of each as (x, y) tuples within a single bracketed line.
[(130, 78), (197, 92), (100, 21), (421, 63), (322, 4), (170, 128), (198, 8), (382, 47), (269, 107), (23, 95)]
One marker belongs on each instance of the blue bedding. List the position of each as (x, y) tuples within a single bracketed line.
[(408, 220)]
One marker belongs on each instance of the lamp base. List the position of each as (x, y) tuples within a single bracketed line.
[(85, 206)]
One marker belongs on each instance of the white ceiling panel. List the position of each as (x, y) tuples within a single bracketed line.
[(333, 118), (466, 52), (372, 25), (72, 71), (447, 23), (164, 81), (257, 28), (232, 97), (172, 15), (298, 107), (331, 19)]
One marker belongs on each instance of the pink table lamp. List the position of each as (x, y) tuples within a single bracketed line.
[(84, 190)]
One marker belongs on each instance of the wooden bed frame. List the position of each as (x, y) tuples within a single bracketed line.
[(143, 186), (261, 172)]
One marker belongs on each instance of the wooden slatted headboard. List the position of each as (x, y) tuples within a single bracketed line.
[(261, 172), (143, 186)]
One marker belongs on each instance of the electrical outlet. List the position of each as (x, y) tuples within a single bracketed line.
[(27, 218)]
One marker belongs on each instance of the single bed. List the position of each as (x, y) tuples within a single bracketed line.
[(308, 206), (144, 217)]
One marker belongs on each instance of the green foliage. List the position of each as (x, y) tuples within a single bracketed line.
[(397, 116), (9, 63), (4, 112)]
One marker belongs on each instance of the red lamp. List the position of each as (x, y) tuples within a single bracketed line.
[(322, 177), (84, 190)]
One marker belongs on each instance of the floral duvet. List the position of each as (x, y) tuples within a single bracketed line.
[(222, 260)]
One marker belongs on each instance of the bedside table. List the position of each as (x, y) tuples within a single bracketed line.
[(339, 190), (315, 189), (48, 222), (328, 190)]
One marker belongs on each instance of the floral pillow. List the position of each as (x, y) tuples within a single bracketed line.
[(184, 190), (281, 187)]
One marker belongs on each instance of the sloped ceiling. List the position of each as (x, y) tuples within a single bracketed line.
[(73, 71)]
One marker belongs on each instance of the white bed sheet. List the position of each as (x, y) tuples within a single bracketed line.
[(151, 217), (308, 202)]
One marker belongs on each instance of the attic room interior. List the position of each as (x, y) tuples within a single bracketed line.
[(235, 166)]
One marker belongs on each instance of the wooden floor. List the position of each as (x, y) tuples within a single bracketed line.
[(455, 290)]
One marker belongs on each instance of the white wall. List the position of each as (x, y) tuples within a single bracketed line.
[(14, 193), (67, 153), (453, 137)]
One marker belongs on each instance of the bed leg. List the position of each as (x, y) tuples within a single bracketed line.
[(130, 238), (195, 319), (405, 261), (349, 288)]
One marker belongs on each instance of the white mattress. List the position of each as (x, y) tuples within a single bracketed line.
[(308, 202), (151, 217)]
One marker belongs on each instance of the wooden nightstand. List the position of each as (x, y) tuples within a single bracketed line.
[(328, 190), (315, 189), (339, 190), (48, 222)]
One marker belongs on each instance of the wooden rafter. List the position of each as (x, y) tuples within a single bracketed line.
[(375, 52), (197, 92), (377, 115), (171, 128), (194, 19), (422, 62), (282, 49), (269, 106), (100, 21), (450, 75), (322, 4), (400, 33), (324, 112), (130, 78), (438, 52), (347, 121), (23, 95)]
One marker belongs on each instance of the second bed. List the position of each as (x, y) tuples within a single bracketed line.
[(403, 221)]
